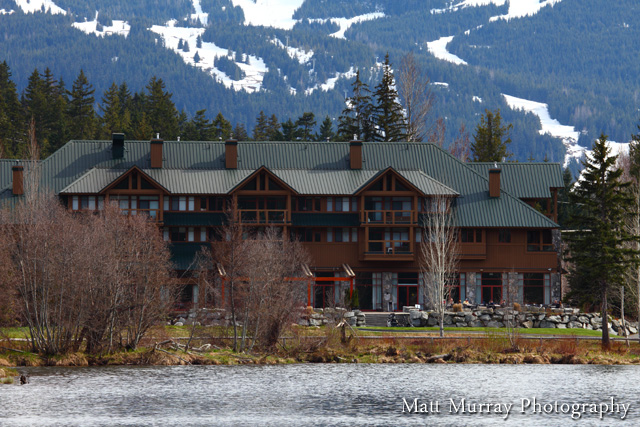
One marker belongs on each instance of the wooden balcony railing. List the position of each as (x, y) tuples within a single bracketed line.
[(263, 216), (153, 214), (388, 217), (399, 250)]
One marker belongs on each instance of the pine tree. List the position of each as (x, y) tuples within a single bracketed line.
[(326, 130), (221, 128), (491, 138), (260, 129), (196, 57), (565, 207), (180, 44), (161, 112), (273, 129), (113, 118), (598, 245), (80, 108), (185, 47), (289, 131), (387, 113), (200, 128), (305, 125), (11, 118), (199, 42), (240, 133), (355, 120)]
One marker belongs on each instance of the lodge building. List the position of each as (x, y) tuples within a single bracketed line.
[(357, 207)]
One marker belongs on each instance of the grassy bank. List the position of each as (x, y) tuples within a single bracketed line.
[(211, 346)]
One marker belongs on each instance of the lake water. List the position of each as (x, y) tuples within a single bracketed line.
[(322, 395)]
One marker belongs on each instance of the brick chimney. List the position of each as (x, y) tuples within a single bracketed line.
[(156, 153), (355, 154), (117, 145), (18, 180), (494, 182), (231, 154)]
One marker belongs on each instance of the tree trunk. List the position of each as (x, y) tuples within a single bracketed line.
[(606, 343)]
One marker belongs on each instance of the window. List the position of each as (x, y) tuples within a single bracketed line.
[(307, 204), (87, 203), (178, 234), (504, 235), (342, 235), (539, 241), (389, 241), (305, 234), (471, 235), (491, 284), (339, 204), (533, 288)]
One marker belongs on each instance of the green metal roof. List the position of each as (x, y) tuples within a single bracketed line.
[(300, 163), (325, 220), (525, 180)]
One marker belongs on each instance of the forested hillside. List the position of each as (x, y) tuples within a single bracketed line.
[(288, 57)]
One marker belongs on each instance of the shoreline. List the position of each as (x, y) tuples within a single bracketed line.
[(391, 353)]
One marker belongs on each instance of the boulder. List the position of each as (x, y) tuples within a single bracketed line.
[(495, 324), (527, 324), (583, 319), (596, 321), (432, 321), (632, 329), (179, 324), (574, 325), (554, 319), (349, 314), (485, 317), (415, 314), (476, 324), (461, 324), (468, 318), (499, 311), (547, 324), (561, 326)]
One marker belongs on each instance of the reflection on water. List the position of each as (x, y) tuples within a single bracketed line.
[(317, 395)]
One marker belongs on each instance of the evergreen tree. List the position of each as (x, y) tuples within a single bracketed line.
[(598, 246), (260, 129), (10, 115), (221, 128), (491, 138), (185, 47), (273, 129), (356, 117), (289, 131), (240, 133), (199, 42), (387, 113), (305, 125), (196, 57), (180, 44), (80, 108), (200, 128), (113, 118), (161, 112), (565, 207), (326, 130)]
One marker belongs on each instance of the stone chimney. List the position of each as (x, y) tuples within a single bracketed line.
[(231, 154), (494, 182), (156, 153), (355, 154), (117, 145), (18, 180)]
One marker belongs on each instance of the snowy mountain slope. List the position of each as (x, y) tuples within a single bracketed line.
[(276, 57)]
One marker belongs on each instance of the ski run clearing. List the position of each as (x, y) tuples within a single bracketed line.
[(120, 28), (33, 6), (438, 48), (568, 134)]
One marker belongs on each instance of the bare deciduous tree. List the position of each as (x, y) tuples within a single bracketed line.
[(510, 297), (439, 255), (461, 146), (417, 100)]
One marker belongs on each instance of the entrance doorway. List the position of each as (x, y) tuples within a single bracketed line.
[(407, 295), (491, 287)]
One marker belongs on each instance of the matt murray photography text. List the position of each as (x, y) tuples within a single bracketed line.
[(526, 406)]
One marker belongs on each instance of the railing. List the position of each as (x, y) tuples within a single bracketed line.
[(263, 216), (389, 247), (388, 217), (151, 213)]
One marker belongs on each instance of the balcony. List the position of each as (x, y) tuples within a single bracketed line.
[(388, 217), (263, 217), (389, 250)]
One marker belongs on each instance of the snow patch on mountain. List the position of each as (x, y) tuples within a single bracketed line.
[(330, 84), (33, 6), (120, 28), (301, 55), (438, 48), (346, 23), (269, 13), (254, 70), (199, 15), (6, 12), (567, 134), (523, 8)]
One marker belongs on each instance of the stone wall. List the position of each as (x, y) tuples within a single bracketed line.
[(567, 318), (319, 317)]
